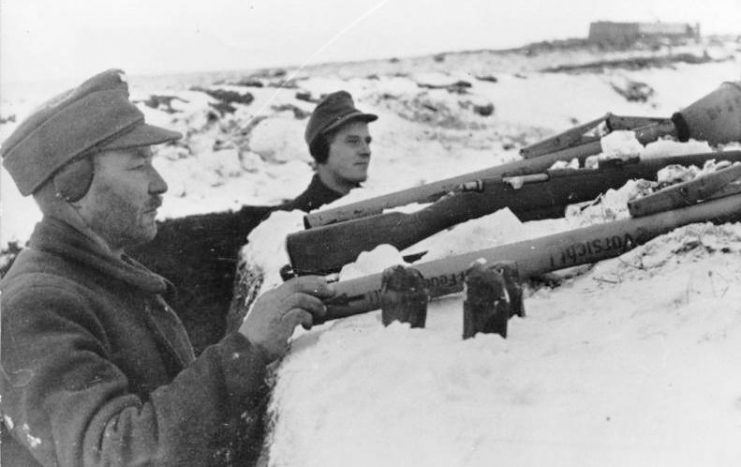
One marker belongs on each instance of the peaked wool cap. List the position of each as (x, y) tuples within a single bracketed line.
[(333, 111), (96, 115)]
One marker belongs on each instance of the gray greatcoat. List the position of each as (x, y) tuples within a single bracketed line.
[(98, 370)]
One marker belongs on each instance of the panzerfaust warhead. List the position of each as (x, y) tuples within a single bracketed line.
[(326, 249), (715, 118), (566, 249)]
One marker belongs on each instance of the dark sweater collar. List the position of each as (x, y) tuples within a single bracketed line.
[(58, 237), (318, 187), (318, 184)]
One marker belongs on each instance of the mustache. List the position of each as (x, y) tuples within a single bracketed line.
[(154, 203)]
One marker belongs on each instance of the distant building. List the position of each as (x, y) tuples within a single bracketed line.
[(627, 33)]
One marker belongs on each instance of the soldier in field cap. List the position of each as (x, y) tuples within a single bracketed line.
[(97, 369), (339, 141)]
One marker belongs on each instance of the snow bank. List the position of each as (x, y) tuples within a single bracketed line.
[(632, 363), (622, 363)]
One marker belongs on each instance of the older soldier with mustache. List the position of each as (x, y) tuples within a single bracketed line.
[(97, 369)]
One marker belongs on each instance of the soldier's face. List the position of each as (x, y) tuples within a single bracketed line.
[(122, 202), (349, 152)]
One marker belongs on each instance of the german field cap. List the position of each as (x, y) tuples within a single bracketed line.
[(95, 116), (333, 111)]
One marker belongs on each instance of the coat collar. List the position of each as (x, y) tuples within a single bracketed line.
[(60, 238)]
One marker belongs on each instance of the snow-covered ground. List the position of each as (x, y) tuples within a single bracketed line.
[(630, 362)]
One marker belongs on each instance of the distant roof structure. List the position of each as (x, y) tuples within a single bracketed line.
[(625, 33)]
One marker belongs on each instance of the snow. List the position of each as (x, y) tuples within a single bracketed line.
[(632, 361)]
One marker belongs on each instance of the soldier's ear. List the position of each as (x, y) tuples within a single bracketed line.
[(73, 180)]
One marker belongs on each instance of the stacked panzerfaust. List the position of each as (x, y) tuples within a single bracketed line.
[(531, 190)]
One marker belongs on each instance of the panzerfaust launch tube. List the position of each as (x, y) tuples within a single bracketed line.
[(540, 255)]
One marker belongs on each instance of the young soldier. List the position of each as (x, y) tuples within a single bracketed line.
[(339, 141)]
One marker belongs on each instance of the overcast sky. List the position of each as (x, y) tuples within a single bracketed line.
[(65, 39)]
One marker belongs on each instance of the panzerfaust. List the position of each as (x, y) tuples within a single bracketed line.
[(713, 198), (336, 236), (326, 249), (715, 118)]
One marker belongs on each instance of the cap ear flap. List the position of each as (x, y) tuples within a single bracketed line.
[(73, 180)]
